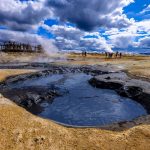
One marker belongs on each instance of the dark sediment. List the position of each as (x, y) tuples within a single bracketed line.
[(137, 90), (34, 95)]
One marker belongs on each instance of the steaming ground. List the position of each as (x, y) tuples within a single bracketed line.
[(134, 65), (30, 57), (21, 130)]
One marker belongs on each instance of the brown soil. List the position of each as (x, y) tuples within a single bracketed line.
[(4, 73), (21, 130)]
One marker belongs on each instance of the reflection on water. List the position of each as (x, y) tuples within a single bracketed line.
[(84, 105), (88, 106)]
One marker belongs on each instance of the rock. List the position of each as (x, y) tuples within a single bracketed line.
[(137, 90), (17, 99), (34, 97)]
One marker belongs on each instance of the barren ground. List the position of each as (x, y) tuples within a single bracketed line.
[(20, 129), (135, 65)]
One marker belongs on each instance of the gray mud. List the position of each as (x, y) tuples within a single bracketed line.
[(64, 95)]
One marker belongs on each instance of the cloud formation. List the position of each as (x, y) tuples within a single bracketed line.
[(88, 15), (144, 42), (131, 36), (71, 38), (147, 9), (17, 15), (94, 25)]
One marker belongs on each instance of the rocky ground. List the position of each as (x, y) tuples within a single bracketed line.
[(20, 129)]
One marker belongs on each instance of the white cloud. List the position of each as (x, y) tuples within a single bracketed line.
[(147, 9), (71, 38), (88, 15), (17, 15), (144, 42), (128, 36)]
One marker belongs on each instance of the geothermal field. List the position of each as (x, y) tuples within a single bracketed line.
[(74, 74), (71, 101)]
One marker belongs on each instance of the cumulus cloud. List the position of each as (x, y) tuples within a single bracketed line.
[(17, 15), (94, 44), (67, 37), (143, 26), (88, 15), (67, 32), (71, 38), (129, 37), (122, 41), (147, 9), (122, 38), (144, 42)]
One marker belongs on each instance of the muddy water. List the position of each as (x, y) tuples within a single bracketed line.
[(81, 104)]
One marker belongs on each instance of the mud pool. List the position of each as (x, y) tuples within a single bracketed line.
[(80, 104)]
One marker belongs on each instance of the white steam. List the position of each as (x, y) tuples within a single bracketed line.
[(33, 39), (107, 48), (48, 46)]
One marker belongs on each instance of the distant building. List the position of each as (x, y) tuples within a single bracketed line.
[(10, 46)]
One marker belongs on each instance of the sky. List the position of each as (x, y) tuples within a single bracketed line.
[(78, 25)]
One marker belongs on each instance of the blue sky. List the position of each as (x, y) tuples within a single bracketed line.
[(77, 25)]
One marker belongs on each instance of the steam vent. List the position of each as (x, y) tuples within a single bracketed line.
[(20, 47)]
